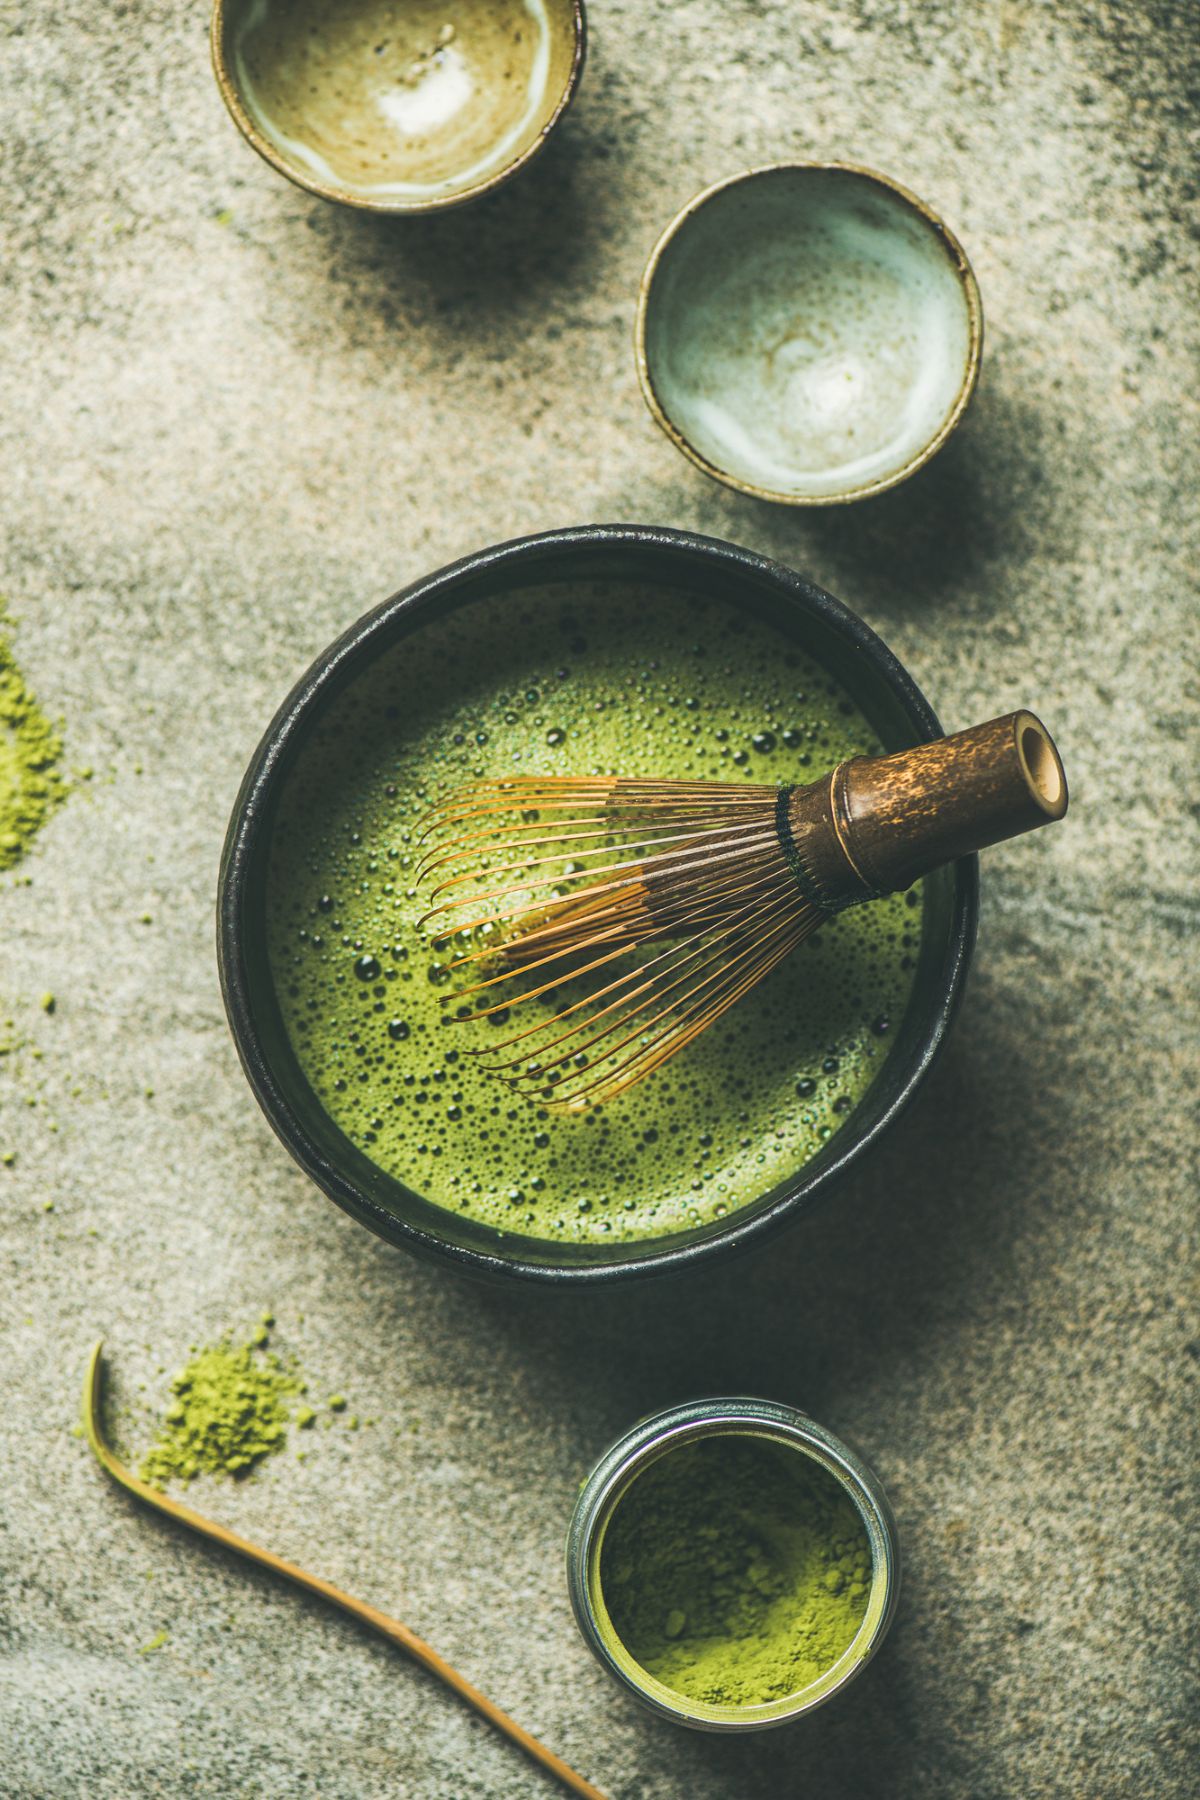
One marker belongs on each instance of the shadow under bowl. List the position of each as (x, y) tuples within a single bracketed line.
[(677, 564), (397, 108), (809, 333)]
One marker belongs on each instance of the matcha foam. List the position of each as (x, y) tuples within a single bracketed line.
[(590, 679)]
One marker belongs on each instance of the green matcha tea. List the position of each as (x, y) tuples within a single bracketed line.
[(735, 1571), (587, 679)]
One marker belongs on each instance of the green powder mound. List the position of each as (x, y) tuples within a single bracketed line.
[(31, 786), (735, 1571), (231, 1409)]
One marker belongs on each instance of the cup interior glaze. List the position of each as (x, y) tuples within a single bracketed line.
[(397, 106), (677, 563), (809, 333), (674, 1429)]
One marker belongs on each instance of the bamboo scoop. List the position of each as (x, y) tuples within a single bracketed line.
[(358, 1609)]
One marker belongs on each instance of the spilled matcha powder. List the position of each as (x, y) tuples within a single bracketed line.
[(231, 1409), (31, 784), (735, 1571)]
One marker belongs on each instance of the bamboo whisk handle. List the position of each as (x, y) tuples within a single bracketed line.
[(882, 821)]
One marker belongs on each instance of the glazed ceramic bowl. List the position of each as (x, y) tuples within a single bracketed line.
[(809, 333), (337, 687), (398, 106)]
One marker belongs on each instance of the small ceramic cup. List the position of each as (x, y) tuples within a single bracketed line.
[(398, 106), (698, 1422), (808, 333)]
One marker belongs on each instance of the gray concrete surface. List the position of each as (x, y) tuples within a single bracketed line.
[(233, 417)]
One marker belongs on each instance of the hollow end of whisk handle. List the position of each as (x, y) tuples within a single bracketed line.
[(899, 816)]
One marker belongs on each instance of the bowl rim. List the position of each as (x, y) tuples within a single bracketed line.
[(327, 190), (251, 819), (958, 260)]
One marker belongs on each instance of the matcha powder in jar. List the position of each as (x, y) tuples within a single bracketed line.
[(732, 1563), (735, 1571)]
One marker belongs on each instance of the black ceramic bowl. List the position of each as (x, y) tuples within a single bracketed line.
[(899, 715)]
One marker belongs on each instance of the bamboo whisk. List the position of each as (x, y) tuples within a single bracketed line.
[(612, 920)]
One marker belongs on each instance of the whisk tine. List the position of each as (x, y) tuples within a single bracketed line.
[(654, 990), (462, 848), (701, 939), (639, 909), (486, 799), (699, 1006), (652, 1057), (691, 857)]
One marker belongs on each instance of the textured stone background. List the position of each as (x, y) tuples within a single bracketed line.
[(234, 417)]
